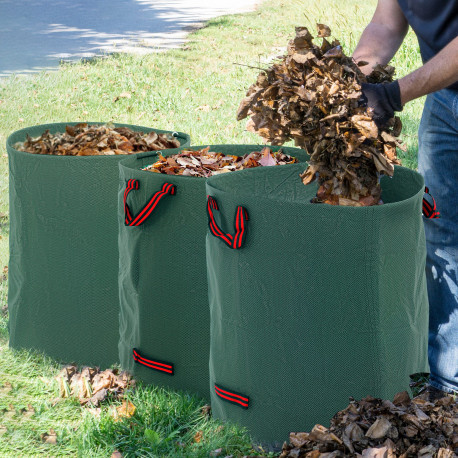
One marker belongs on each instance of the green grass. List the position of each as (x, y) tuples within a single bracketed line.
[(164, 424), (196, 90)]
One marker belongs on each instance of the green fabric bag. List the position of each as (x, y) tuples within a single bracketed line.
[(164, 318), (63, 271), (316, 303)]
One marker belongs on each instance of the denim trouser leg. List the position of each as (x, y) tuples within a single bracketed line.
[(438, 163)]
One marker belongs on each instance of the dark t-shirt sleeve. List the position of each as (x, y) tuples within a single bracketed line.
[(435, 22)]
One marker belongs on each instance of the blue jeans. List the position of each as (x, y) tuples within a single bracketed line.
[(438, 163)]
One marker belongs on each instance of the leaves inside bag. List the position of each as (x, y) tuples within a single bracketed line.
[(205, 163), (94, 140)]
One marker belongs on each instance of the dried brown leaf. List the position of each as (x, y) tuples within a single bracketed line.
[(298, 439), (401, 398), (379, 452), (365, 125), (125, 410), (323, 30), (198, 437), (379, 428), (50, 437), (28, 412), (97, 398)]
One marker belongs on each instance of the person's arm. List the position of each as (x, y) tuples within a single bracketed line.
[(379, 43), (383, 35), (436, 74)]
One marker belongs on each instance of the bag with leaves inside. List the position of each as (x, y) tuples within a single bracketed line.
[(63, 269), (311, 303), (164, 317)]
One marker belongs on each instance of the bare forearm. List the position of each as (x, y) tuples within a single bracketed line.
[(439, 72), (383, 36), (370, 50)]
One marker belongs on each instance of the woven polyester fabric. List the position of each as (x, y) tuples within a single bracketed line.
[(63, 269), (321, 303), (162, 274)]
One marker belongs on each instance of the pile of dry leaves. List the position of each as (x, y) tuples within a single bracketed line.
[(204, 163), (92, 140), (313, 95), (91, 386), (374, 428)]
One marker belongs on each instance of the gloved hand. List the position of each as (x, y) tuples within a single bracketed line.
[(383, 98)]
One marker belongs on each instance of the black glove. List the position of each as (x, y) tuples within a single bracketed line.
[(383, 98)]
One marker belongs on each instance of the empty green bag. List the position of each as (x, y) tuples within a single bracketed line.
[(63, 295), (311, 303)]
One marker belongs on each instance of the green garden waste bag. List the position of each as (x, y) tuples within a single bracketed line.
[(164, 318), (63, 294), (311, 303)]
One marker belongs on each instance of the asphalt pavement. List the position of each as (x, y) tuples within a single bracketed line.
[(38, 34)]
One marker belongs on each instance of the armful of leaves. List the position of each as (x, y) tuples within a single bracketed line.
[(313, 96)]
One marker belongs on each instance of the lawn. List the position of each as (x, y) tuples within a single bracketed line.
[(195, 89)]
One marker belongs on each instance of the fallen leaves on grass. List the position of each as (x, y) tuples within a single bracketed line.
[(92, 140), (28, 411), (380, 428), (92, 386), (198, 437), (50, 437), (123, 95), (204, 163), (313, 95), (8, 413), (125, 410), (5, 388)]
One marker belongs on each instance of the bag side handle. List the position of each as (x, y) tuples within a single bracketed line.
[(429, 211), (150, 206), (241, 217)]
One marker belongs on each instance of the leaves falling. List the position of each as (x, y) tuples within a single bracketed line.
[(92, 140), (381, 428), (313, 95), (204, 163)]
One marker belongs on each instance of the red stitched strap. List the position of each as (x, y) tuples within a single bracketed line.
[(232, 396), (153, 364), (429, 211), (146, 211), (241, 217), (131, 184)]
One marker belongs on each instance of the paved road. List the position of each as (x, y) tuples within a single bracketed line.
[(37, 34)]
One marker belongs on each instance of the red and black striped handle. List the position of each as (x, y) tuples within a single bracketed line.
[(155, 364), (241, 217), (232, 396), (146, 211), (429, 211)]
